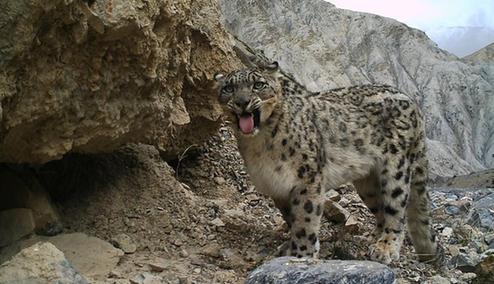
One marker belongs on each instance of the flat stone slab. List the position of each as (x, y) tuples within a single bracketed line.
[(40, 263), (291, 270), (92, 257)]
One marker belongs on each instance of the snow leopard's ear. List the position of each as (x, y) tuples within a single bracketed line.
[(218, 76), (273, 69), (274, 66), (217, 81)]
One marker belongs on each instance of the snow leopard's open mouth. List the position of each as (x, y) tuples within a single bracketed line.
[(249, 122)]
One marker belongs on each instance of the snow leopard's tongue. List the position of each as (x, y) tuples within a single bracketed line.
[(246, 123)]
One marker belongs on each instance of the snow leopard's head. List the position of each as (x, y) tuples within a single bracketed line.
[(250, 95)]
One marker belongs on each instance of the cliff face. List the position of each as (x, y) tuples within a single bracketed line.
[(326, 47), (88, 76), (482, 62)]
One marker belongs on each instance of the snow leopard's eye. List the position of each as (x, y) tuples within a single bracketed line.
[(228, 89), (226, 93), (259, 85)]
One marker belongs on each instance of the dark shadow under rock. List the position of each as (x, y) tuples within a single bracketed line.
[(289, 270)]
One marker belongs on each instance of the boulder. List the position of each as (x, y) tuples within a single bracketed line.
[(335, 212), (89, 76), (289, 270), (485, 268), (40, 263), (482, 213), (124, 242), (93, 257), (146, 278)]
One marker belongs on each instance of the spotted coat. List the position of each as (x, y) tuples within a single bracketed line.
[(307, 142)]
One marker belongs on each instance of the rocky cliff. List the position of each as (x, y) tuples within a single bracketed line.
[(482, 62), (326, 47), (88, 76)]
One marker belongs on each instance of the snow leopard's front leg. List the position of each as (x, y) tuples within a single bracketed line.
[(303, 216)]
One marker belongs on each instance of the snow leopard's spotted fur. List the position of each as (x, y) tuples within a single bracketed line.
[(303, 143)]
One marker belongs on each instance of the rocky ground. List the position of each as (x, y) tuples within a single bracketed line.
[(198, 219)]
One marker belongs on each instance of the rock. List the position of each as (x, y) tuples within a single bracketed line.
[(333, 195), (120, 281), (466, 260), (437, 279), (183, 253), (231, 259), (234, 213), (184, 280), (146, 76), (159, 264), (15, 224), (478, 244), (335, 212), (352, 225), (212, 250), (359, 48), (468, 277), (178, 242), (482, 213), (115, 273), (482, 217), (453, 250), (489, 240), (414, 277), (344, 201), (452, 210), (217, 222), (235, 219), (40, 263), (294, 270), (485, 268), (93, 257), (447, 232), (219, 180), (124, 242), (465, 231), (463, 204), (145, 278)]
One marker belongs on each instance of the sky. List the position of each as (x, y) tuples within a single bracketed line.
[(440, 19), (428, 14)]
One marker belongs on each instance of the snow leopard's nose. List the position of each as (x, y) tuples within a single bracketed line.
[(241, 102)]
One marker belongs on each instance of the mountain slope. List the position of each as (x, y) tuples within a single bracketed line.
[(461, 41), (483, 63), (326, 47), (482, 56)]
